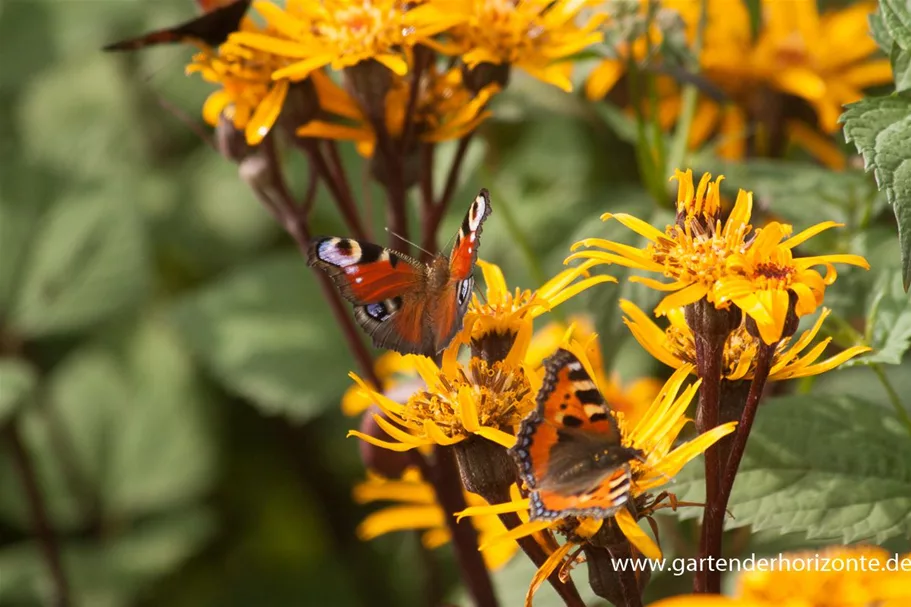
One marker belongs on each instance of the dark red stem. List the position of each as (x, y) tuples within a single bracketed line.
[(47, 539)]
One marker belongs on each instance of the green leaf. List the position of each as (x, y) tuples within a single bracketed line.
[(888, 323), (87, 261), (121, 432), (901, 68), (832, 467), (17, 381), (880, 127), (879, 33), (109, 571), (267, 333), (897, 18)]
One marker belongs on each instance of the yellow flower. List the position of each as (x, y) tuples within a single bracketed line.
[(445, 110), (415, 507), (535, 35), (248, 95), (631, 400), (692, 256), (675, 346), (655, 434), (395, 371), (337, 33), (848, 581), (826, 60), (506, 312), (480, 397), (704, 259), (760, 279)]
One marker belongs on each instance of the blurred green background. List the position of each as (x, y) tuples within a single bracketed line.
[(173, 370)]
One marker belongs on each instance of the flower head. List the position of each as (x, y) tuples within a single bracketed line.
[(693, 255), (827, 60), (761, 279), (339, 33), (415, 507), (534, 35), (248, 95), (395, 371), (511, 313), (724, 264), (676, 347)]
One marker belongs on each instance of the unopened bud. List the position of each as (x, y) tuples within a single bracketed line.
[(391, 464), (300, 107), (710, 323), (484, 74), (230, 140), (368, 82), (486, 468), (604, 577), (411, 166)]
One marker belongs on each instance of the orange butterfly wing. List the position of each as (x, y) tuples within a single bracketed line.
[(568, 450)]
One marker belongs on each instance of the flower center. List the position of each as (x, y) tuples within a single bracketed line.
[(501, 394)]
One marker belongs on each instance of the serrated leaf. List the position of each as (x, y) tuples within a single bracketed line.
[(880, 127), (17, 380), (86, 262), (267, 334), (832, 467), (110, 571), (888, 323), (901, 68), (879, 33), (897, 19), (120, 433)]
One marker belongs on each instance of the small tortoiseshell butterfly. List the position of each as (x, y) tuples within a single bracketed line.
[(403, 304), (211, 28), (568, 450)]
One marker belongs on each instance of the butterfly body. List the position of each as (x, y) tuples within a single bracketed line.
[(569, 451), (404, 304)]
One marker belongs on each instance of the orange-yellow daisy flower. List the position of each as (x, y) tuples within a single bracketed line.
[(760, 279), (676, 347), (414, 506), (692, 256), (536, 36), (314, 34)]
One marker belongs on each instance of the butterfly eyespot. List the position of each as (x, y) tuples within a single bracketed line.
[(465, 287)]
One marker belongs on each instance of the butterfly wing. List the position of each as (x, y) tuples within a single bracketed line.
[(211, 28), (451, 302), (385, 287), (568, 451), (464, 253)]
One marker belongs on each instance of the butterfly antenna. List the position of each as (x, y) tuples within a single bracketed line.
[(414, 244)]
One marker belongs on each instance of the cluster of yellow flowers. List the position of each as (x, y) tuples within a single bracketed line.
[(382, 49), (796, 57), (727, 264)]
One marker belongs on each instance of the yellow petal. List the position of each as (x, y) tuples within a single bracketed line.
[(636, 536), (400, 518), (514, 506), (381, 443), (266, 113), (543, 572)]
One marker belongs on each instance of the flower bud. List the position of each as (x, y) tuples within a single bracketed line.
[(300, 107), (483, 74), (486, 468), (368, 82), (607, 580), (231, 141), (709, 323), (411, 168), (391, 464)]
